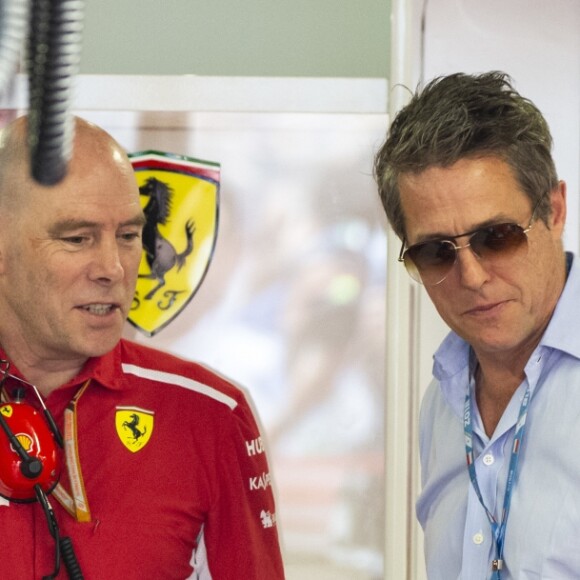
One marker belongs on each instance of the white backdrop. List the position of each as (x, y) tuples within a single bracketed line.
[(537, 42)]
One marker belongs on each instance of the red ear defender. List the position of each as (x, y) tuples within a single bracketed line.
[(29, 453), (30, 463)]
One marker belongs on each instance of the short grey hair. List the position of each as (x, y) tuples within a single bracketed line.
[(466, 116)]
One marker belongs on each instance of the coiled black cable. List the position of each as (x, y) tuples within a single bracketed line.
[(63, 546), (52, 528), (54, 45), (70, 560)]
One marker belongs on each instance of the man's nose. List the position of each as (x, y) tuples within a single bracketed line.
[(106, 265), (471, 270)]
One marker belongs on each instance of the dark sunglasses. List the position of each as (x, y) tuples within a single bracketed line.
[(430, 262)]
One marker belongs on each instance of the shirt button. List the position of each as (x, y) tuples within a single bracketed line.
[(478, 538), (488, 459)]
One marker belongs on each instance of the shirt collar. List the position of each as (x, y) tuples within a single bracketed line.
[(451, 369), (451, 357), (105, 370), (562, 332)]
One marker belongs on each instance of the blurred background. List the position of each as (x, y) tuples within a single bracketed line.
[(293, 100), (292, 308)]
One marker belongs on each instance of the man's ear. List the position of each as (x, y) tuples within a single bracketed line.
[(558, 203)]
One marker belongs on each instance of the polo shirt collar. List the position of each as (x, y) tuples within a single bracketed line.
[(106, 370)]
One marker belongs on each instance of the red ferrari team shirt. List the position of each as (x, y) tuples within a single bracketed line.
[(173, 470)]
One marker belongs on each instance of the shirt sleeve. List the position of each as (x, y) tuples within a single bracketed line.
[(240, 536)]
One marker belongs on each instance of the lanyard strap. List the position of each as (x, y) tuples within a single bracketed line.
[(76, 502), (498, 529)]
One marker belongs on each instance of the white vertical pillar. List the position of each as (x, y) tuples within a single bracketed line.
[(403, 545)]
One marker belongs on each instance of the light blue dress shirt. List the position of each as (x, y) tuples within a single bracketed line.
[(543, 530)]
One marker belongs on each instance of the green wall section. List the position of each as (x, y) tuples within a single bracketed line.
[(303, 38)]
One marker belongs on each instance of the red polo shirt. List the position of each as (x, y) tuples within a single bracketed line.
[(175, 474)]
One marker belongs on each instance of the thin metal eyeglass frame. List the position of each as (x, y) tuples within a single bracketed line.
[(451, 239)]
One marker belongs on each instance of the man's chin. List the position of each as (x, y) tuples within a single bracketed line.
[(103, 343)]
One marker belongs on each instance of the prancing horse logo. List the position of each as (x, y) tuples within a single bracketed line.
[(134, 427), (160, 254)]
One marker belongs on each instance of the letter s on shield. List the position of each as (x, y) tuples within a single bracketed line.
[(180, 199)]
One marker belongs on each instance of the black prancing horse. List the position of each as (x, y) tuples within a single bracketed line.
[(160, 254), (132, 425)]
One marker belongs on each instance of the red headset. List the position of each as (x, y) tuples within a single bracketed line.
[(31, 461), (30, 450)]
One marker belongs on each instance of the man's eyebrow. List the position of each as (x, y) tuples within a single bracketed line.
[(69, 225), (138, 220)]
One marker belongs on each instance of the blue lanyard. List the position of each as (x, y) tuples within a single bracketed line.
[(498, 529)]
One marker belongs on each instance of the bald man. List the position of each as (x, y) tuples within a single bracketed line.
[(160, 452)]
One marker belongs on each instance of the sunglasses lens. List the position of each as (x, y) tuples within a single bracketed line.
[(501, 240), (430, 262)]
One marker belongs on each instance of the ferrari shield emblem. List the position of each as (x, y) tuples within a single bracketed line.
[(134, 427), (180, 199)]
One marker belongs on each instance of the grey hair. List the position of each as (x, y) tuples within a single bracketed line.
[(466, 116)]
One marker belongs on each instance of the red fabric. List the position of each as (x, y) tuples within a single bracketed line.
[(203, 471)]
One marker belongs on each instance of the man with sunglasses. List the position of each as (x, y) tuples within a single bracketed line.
[(469, 185)]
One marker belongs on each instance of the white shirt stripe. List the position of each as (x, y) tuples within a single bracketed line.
[(180, 381)]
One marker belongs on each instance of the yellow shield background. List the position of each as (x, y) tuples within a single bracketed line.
[(134, 427), (194, 187)]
